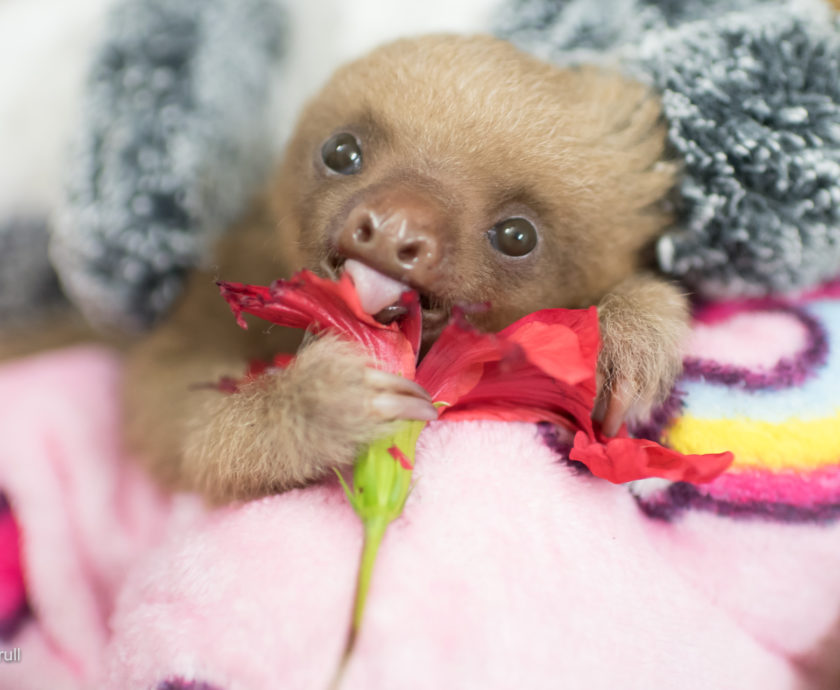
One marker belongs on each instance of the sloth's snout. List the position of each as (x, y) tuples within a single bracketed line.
[(399, 233)]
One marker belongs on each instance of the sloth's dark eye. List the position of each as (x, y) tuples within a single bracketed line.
[(342, 153), (513, 237)]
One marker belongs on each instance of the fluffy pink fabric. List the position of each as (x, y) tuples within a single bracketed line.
[(734, 342), (508, 569), (85, 515)]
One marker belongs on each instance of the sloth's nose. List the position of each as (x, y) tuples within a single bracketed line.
[(398, 232)]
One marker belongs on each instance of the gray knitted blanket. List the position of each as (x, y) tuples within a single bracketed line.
[(177, 111), (173, 145), (751, 93)]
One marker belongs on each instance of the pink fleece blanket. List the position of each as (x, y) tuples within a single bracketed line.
[(511, 567)]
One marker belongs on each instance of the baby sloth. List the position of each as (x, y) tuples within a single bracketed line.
[(462, 168)]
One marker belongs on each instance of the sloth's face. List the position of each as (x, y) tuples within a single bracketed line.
[(474, 174)]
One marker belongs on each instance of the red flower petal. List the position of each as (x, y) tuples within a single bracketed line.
[(307, 301), (541, 368), (525, 394), (622, 460), (281, 360), (455, 362), (256, 367), (564, 343)]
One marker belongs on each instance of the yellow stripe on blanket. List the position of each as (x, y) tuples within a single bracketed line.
[(794, 444)]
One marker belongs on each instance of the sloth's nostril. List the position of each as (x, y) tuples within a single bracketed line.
[(410, 253), (363, 233)]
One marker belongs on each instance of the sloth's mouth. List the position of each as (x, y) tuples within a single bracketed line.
[(380, 295)]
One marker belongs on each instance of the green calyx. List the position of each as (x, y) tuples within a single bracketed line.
[(381, 483)]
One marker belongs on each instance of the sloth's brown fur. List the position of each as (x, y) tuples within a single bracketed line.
[(489, 132)]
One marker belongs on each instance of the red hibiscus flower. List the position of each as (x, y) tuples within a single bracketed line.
[(540, 368)]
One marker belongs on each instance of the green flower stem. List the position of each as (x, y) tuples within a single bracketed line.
[(374, 531), (381, 484)]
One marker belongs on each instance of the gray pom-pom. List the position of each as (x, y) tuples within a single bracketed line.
[(173, 144), (755, 116), (751, 93)]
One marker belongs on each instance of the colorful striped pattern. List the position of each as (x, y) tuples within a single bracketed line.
[(762, 380)]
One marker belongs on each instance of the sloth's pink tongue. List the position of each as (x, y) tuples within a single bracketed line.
[(376, 291)]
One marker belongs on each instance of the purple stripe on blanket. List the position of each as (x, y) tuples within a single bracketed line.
[(10, 624), (788, 372), (182, 684), (681, 496), (560, 442), (661, 418)]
